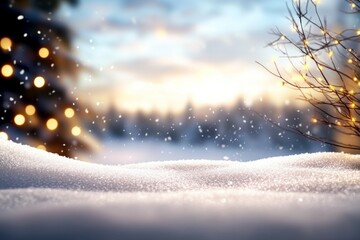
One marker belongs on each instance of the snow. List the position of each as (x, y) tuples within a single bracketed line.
[(305, 196)]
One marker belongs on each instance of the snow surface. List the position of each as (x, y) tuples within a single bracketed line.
[(305, 196)]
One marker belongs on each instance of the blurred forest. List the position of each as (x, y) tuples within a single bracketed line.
[(239, 126)]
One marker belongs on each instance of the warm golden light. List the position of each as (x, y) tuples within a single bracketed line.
[(7, 70), (314, 120), (44, 52), (52, 124), (69, 112), (4, 136), (30, 110), (39, 82), (76, 131), (42, 147), (160, 33), (19, 119), (5, 43), (350, 60), (330, 53)]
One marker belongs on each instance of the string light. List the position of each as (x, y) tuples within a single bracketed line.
[(42, 147), (30, 110), (314, 120), (306, 66), (44, 52), (7, 70), (19, 119), (4, 136), (6, 43), (330, 53), (353, 105), (350, 60), (39, 82), (52, 124), (69, 112), (76, 131)]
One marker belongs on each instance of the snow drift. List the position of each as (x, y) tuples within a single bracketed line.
[(307, 196)]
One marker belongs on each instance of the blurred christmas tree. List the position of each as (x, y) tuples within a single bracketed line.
[(36, 108)]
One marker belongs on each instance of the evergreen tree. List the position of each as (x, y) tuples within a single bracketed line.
[(36, 107)]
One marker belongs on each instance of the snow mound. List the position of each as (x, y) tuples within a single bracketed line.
[(306, 196)]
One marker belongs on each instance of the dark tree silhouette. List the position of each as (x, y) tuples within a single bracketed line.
[(325, 69), (36, 107)]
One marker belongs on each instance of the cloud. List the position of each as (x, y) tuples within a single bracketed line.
[(136, 4), (154, 69)]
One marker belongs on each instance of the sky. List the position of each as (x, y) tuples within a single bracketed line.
[(159, 55)]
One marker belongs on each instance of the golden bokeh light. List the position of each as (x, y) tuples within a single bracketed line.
[(30, 110), (19, 119), (5, 43), (52, 124), (39, 82), (76, 131), (42, 147), (7, 70), (44, 52), (4, 135), (69, 112)]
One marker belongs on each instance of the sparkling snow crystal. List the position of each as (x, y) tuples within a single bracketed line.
[(307, 196)]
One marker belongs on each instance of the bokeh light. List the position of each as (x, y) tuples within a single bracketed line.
[(30, 110), (52, 124), (69, 112), (4, 135), (44, 52), (7, 70), (19, 119), (39, 82), (5, 43), (76, 131)]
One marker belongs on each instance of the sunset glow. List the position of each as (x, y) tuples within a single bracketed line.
[(163, 55)]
